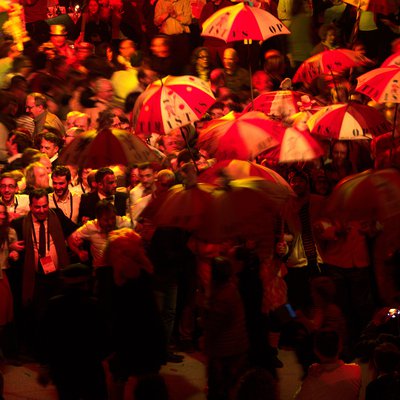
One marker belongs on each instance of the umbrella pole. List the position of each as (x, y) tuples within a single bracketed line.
[(333, 79), (248, 44), (394, 130), (189, 150)]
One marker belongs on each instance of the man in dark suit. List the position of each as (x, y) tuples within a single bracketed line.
[(106, 189)]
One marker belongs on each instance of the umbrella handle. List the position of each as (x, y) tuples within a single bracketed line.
[(189, 149)]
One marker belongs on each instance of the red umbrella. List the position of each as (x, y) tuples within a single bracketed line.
[(392, 61), (329, 62), (372, 195), (243, 22), (281, 103), (108, 147), (239, 169), (241, 136), (381, 84), (173, 102), (384, 7), (295, 146), (185, 208), (352, 121)]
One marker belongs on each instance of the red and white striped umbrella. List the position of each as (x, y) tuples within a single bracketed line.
[(384, 7), (241, 136), (242, 22), (329, 62), (381, 84), (281, 103), (173, 102), (392, 61), (352, 121)]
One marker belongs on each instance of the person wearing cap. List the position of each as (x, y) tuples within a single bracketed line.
[(58, 37)]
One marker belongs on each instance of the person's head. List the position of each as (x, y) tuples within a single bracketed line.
[(71, 117), (84, 50), (299, 182), (3, 216), (126, 254), (161, 46), (8, 187), (39, 204), (327, 345), (328, 34), (61, 178), (340, 153), (50, 144), (58, 35), (127, 48), (164, 180), (274, 63), (386, 358), (104, 89), (321, 184), (201, 57), (17, 142), (22, 65), (217, 110), (45, 161), (340, 93), (37, 176), (230, 60), (147, 175), (359, 48), (106, 216), (36, 104), (262, 82), (82, 121), (106, 181), (93, 7)]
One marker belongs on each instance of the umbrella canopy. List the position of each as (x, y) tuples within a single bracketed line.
[(240, 209), (280, 103), (94, 149), (239, 169), (392, 61), (173, 102), (384, 7), (241, 136), (295, 146), (381, 84), (242, 22), (185, 208), (328, 62), (372, 195), (352, 121)]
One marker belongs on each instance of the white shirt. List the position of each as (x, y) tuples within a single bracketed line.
[(19, 207), (69, 206), (98, 240)]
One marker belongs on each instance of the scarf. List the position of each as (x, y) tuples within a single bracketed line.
[(56, 232)]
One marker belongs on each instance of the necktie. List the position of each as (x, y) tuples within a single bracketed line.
[(42, 239)]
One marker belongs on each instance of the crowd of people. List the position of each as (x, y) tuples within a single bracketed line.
[(87, 276)]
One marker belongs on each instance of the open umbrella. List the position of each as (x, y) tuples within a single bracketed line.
[(329, 62), (185, 208), (240, 169), (295, 146), (173, 102), (372, 195), (392, 61), (352, 121), (241, 209), (280, 103), (241, 136), (94, 149), (242, 22), (384, 7)]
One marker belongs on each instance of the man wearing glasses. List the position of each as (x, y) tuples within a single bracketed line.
[(17, 204), (36, 108)]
